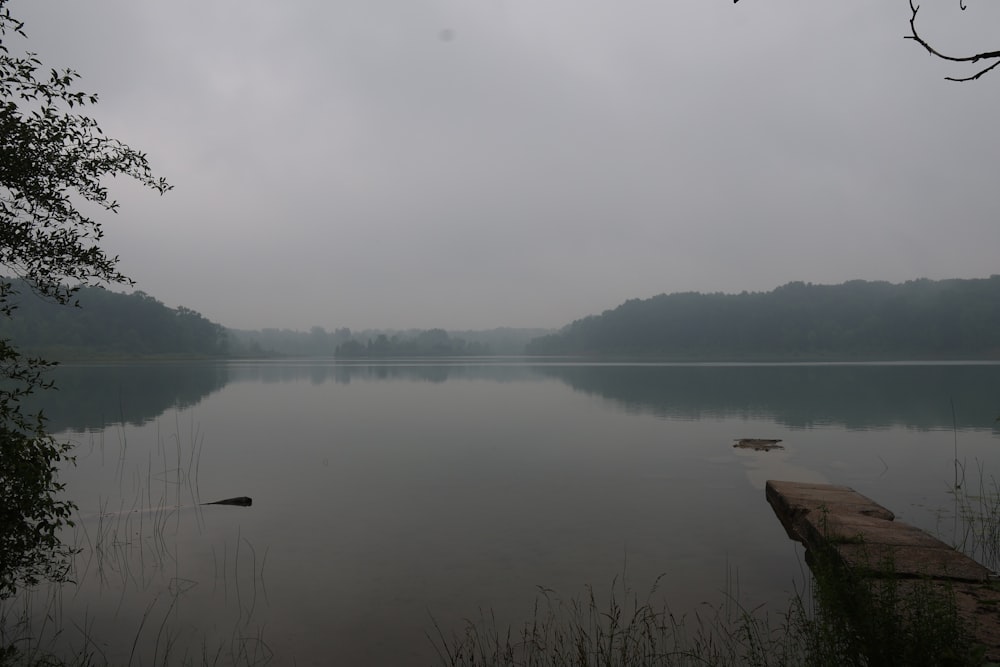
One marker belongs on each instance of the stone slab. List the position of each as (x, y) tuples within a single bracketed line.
[(859, 528), (865, 535), (939, 563), (793, 499), (979, 605)]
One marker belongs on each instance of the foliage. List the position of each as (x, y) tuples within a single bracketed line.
[(30, 511), (52, 158), (920, 319), (31, 514)]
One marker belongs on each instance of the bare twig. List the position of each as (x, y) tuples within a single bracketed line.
[(986, 55)]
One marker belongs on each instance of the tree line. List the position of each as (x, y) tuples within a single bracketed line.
[(115, 324), (345, 343), (919, 319), (429, 343), (110, 323)]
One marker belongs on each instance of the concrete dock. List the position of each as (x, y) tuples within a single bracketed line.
[(866, 538)]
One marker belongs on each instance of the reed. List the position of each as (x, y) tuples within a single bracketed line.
[(975, 518), (839, 620), (619, 629), (129, 552)]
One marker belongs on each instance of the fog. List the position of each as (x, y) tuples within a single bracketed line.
[(479, 163)]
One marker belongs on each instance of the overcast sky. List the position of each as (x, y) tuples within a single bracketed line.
[(482, 163)]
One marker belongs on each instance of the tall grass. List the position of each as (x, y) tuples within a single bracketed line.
[(976, 517), (884, 620), (842, 619), (128, 552), (618, 629)]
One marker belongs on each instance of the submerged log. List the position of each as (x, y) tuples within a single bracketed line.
[(241, 501), (758, 444)]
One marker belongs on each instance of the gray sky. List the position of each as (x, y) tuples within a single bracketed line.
[(481, 163)]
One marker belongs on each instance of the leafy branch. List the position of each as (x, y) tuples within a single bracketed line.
[(52, 157)]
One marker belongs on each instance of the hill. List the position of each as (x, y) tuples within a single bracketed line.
[(856, 320), (118, 325), (111, 324)]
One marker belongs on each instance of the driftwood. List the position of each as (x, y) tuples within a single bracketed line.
[(758, 444), (241, 501)]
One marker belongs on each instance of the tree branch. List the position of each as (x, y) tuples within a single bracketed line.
[(986, 55)]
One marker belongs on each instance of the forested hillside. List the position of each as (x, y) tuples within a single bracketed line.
[(920, 319), (111, 324)]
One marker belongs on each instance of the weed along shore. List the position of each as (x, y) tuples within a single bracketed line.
[(886, 577)]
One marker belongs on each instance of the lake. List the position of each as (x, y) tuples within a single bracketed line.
[(390, 497)]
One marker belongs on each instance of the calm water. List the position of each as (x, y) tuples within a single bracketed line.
[(388, 494)]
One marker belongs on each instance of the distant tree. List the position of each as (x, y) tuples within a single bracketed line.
[(434, 341), (51, 158), (415, 343), (379, 347), (351, 349)]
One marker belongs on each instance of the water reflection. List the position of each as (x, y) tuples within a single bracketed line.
[(322, 371), (864, 396), (92, 397), (385, 491)]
